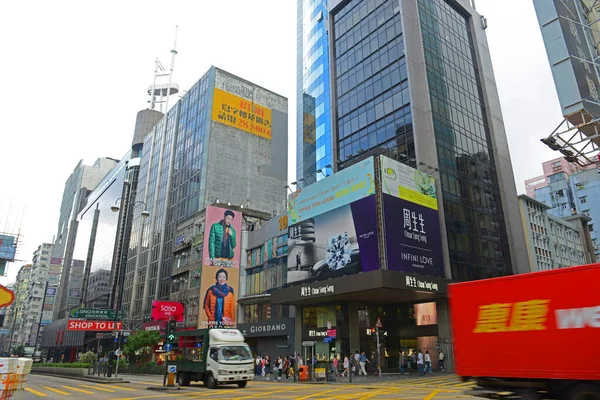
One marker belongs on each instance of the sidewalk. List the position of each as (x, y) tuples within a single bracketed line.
[(385, 377)]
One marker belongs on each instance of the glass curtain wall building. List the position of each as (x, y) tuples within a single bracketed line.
[(314, 140), (407, 82), (215, 147)]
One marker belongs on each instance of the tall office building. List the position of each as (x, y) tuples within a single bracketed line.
[(412, 84), (413, 79), (79, 184), (314, 151), (225, 142)]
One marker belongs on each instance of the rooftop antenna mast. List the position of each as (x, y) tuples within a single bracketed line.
[(163, 91)]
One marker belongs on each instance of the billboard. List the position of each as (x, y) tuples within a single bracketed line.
[(220, 268), (411, 221), (166, 310), (8, 247), (240, 113), (338, 242), (339, 189)]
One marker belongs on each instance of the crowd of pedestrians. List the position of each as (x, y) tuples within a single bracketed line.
[(357, 364)]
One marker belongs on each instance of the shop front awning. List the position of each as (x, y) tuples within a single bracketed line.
[(381, 286)]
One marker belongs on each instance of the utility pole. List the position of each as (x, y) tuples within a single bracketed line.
[(377, 326)]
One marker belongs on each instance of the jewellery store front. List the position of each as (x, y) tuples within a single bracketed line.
[(340, 316), (274, 337)]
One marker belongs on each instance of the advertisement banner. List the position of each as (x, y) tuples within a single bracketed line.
[(411, 221), (223, 237), (218, 291), (240, 113), (219, 283), (339, 242), (166, 310), (8, 247), (344, 187), (400, 180)]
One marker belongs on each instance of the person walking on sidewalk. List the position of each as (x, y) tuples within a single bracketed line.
[(363, 360), (441, 361), (286, 367), (356, 363), (420, 363), (427, 362), (401, 361), (346, 366)]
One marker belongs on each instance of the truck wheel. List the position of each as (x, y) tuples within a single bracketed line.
[(183, 379), (242, 384), (585, 391), (210, 381)]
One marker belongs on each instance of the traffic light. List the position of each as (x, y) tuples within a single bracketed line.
[(171, 327)]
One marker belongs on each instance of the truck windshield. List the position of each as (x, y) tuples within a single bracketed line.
[(235, 353)]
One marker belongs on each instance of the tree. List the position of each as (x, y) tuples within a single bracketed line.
[(19, 351), (88, 357), (142, 342)]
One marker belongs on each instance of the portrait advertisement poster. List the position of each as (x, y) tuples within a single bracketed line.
[(411, 221), (218, 296), (338, 242), (221, 257)]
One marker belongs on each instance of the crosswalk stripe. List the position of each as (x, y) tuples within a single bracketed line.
[(57, 391), (465, 384), (78, 390), (118, 387), (40, 394), (97, 388)]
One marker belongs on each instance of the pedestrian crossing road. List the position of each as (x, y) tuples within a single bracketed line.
[(402, 387)]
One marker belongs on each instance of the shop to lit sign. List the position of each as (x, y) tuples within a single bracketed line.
[(418, 283)]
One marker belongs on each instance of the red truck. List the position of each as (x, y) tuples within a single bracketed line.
[(536, 335)]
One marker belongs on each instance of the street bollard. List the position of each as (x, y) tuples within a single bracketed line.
[(171, 379)]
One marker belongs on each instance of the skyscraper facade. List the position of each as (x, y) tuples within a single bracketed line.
[(314, 149), (413, 79), (225, 141)]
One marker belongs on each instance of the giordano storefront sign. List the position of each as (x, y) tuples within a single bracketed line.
[(275, 327)]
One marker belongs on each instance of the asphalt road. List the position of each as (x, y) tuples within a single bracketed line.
[(431, 387)]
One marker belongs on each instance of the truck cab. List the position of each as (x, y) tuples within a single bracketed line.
[(215, 357)]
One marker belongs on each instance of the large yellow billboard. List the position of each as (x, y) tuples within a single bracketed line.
[(240, 113)]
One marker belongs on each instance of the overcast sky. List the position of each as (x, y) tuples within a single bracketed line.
[(75, 73)]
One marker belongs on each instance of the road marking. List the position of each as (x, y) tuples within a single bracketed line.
[(97, 388), (431, 395), (57, 391), (257, 395), (40, 394), (146, 383), (465, 384), (78, 390), (155, 397), (119, 387)]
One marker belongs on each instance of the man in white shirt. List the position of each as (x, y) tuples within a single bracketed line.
[(441, 360), (427, 362), (420, 363)]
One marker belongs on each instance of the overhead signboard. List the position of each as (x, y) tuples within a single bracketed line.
[(344, 187), (241, 113), (6, 297), (93, 314), (93, 326), (166, 310), (411, 222)]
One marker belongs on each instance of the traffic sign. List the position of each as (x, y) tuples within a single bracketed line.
[(326, 339), (95, 314), (168, 347), (378, 324), (6, 297), (171, 337), (308, 343), (99, 335), (118, 352), (172, 369)]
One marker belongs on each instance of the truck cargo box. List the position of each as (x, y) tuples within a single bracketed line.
[(542, 325)]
